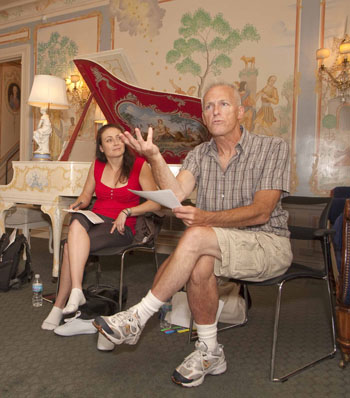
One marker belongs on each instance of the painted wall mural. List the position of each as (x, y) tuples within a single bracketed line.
[(331, 165), (202, 42)]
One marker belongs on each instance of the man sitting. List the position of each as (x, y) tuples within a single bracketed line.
[(238, 228)]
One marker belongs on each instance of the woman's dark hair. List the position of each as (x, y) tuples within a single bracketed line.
[(128, 157)]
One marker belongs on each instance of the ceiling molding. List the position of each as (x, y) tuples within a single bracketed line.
[(25, 11)]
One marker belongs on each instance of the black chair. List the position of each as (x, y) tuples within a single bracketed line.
[(147, 230), (300, 271)]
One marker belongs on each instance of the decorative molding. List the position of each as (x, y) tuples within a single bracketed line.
[(15, 36), (21, 12), (22, 52)]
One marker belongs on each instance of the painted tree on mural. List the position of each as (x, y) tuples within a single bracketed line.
[(205, 45), (55, 57)]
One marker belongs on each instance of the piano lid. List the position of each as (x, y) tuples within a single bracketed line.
[(176, 119)]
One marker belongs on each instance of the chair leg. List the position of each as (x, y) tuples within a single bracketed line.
[(275, 335), (121, 280), (155, 259), (275, 332)]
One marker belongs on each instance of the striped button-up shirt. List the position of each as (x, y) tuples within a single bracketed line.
[(260, 163)]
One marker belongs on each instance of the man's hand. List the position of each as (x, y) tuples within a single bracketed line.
[(191, 216), (146, 147)]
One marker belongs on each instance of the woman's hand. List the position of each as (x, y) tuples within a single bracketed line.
[(76, 205), (119, 223)]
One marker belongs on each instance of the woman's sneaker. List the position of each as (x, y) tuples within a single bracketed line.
[(122, 327), (196, 366)]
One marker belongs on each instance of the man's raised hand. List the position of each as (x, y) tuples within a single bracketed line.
[(143, 147)]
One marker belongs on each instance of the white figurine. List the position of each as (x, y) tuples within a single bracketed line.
[(42, 135)]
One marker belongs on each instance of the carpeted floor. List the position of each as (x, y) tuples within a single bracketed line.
[(37, 363)]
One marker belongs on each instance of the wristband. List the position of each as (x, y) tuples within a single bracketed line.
[(127, 212)]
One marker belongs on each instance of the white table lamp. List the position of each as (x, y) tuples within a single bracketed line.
[(48, 92)]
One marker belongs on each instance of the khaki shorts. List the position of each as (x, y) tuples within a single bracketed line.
[(250, 255)]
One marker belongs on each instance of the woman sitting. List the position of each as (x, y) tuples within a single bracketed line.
[(111, 175)]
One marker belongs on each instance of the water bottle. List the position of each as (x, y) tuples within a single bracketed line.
[(37, 288), (164, 310)]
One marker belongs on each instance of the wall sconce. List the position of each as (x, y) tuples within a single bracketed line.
[(338, 75), (77, 91)]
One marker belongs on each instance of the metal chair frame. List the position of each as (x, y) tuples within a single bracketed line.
[(299, 271), (114, 251), (123, 252)]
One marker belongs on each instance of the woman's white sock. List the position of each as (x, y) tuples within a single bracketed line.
[(53, 319), (76, 299)]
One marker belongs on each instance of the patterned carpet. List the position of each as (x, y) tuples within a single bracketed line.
[(37, 363)]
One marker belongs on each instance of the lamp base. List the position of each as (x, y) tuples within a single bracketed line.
[(41, 156)]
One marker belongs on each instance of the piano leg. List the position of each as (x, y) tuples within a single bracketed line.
[(57, 217), (4, 206)]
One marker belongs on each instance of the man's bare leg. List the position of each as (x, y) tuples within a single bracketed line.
[(195, 243)]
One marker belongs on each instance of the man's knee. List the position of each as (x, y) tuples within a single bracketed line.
[(196, 237)]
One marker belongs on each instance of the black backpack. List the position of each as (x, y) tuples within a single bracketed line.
[(10, 256)]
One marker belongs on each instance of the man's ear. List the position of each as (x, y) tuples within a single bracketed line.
[(240, 112)]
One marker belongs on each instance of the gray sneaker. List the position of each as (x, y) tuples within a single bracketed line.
[(197, 365), (122, 327)]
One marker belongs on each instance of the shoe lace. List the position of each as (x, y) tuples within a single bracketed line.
[(197, 356), (123, 318)]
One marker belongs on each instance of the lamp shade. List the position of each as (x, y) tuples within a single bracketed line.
[(48, 92)]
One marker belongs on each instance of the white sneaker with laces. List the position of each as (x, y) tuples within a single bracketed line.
[(196, 366), (75, 325), (122, 327)]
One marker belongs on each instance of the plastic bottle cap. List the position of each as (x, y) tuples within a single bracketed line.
[(37, 276)]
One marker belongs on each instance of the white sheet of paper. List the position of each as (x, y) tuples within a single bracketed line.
[(165, 197), (93, 217)]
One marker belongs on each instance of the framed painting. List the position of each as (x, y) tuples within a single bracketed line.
[(14, 97)]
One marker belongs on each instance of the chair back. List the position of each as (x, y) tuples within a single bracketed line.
[(312, 201), (339, 194), (321, 232)]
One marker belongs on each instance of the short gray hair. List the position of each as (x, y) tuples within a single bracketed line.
[(217, 84)]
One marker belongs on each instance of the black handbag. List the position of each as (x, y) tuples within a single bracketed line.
[(10, 256), (101, 300)]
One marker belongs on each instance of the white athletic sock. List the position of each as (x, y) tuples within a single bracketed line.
[(148, 306), (53, 319), (76, 299), (208, 334)]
